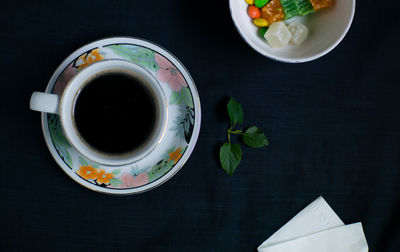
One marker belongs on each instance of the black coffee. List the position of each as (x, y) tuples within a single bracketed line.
[(115, 113)]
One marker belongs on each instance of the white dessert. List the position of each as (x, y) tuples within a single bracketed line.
[(299, 33), (278, 35)]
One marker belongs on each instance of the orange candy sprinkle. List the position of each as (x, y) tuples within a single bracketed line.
[(253, 12)]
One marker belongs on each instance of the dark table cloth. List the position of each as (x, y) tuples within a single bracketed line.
[(333, 125)]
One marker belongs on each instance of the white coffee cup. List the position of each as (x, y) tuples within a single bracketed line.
[(63, 105)]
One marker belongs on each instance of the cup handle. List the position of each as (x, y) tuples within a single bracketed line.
[(44, 102)]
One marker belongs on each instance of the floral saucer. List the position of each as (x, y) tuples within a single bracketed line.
[(183, 123)]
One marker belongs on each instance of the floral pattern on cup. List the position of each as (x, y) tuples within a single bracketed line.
[(180, 96)]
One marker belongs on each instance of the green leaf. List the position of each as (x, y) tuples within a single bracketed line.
[(60, 139), (254, 137), (63, 151), (83, 162), (187, 97), (183, 96), (142, 56), (175, 98), (160, 169), (115, 182), (230, 156), (146, 59), (68, 159), (122, 51), (56, 131), (235, 111), (115, 172)]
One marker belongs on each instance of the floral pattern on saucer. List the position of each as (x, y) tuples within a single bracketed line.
[(180, 124)]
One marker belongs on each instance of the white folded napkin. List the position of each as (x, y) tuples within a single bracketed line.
[(316, 228)]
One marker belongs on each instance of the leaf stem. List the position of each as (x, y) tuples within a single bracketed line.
[(233, 126), (237, 132), (229, 138)]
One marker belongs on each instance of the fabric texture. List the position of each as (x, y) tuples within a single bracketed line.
[(333, 124)]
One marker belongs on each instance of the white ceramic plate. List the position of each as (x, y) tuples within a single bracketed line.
[(183, 123)]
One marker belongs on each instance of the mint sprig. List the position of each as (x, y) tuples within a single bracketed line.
[(235, 111), (254, 137), (230, 154)]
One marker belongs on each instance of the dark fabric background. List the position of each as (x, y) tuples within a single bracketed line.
[(333, 126)]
